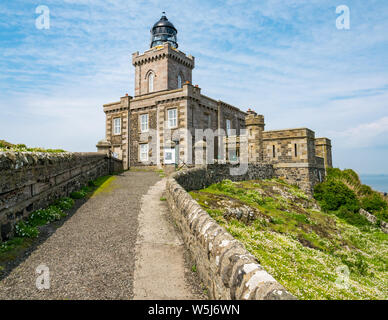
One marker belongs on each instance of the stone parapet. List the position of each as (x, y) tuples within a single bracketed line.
[(224, 265), (373, 219), (32, 180)]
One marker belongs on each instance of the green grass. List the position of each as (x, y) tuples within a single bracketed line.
[(7, 146), (301, 246)]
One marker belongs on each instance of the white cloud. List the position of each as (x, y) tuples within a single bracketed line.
[(365, 135), (285, 59)]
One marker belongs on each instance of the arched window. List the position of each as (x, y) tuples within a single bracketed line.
[(179, 81), (151, 77)]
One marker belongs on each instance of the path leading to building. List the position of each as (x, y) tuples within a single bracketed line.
[(161, 271), (93, 255)]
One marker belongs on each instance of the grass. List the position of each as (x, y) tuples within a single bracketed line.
[(301, 246), (27, 230), (7, 146)]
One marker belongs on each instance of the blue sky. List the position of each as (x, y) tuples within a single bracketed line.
[(285, 59)]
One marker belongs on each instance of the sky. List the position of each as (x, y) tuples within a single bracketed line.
[(286, 60)]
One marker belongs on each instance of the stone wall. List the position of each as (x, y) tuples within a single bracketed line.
[(323, 150), (31, 180), (289, 146), (203, 176), (304, 176), (166, 63), (373, 219), (226, 268)]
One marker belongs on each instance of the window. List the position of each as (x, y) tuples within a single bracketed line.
[(209, 121), (151, 82), (144, 152), (171, 118), (296, 149), (228, 127), (232, 155), (144, 122), (117, 125), (169, 156), (273, 151), (179, 81)]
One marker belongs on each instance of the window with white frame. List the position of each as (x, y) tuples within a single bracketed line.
[(172, 118), (179, 81), (117, 126), (228, 127), (144, 122), (144, 152), (151, 77)]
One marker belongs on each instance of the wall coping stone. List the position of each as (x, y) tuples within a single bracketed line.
[(224, 265)]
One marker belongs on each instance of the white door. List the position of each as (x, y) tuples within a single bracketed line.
[(169, 156)]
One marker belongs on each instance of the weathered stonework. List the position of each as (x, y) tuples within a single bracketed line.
[(225, 267), (296, 154), (32, 180), (203, 176), (194, 110), (373, 219)]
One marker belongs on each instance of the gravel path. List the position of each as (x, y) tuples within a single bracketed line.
[(162, 268), (92, 256)]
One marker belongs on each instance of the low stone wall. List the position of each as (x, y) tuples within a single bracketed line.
[(304, 177), (373, 219), (32, 180), (203, 176), (227, 269)]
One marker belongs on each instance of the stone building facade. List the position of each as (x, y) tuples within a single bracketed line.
[(157, 126)]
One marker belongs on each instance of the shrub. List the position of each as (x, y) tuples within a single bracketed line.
[(44, 216), (10, 244), (91, 183), (78, 194), (382, 215), (65, 203), (351, 176), (5, 144), (366, 190), (334, 194), (352, 217), (23, 230), (373, 203), (55, 150)]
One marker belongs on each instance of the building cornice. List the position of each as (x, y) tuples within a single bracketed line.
[(162, 53)]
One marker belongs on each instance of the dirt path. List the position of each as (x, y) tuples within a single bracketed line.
[(161, 271), (92, 256)]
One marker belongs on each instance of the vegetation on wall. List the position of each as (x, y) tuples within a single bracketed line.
[(305, 248), (7, 146), (28, 229)]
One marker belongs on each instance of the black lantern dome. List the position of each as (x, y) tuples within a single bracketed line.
[(163, 31)]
